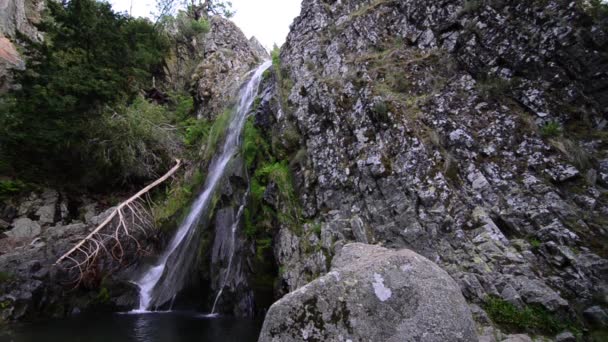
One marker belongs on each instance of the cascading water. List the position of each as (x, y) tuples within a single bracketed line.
[(161, 283)]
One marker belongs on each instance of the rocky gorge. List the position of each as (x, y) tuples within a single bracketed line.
[(413, 171)]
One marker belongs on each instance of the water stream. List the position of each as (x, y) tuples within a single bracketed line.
[(161, 282)]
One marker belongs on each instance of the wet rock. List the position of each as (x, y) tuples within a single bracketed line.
[(373, 293)]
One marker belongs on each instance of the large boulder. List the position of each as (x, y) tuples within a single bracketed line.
[(373, 294)]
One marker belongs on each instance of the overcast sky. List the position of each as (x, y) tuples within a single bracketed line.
[(268, 20)]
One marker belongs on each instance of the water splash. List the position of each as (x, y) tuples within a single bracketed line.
[(161, 282)]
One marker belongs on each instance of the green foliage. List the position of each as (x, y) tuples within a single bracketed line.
[(9, 188), (196, 131), (187, 27), (5, 277), (262, 245), (175, 199), (217, 132), (182, 106), (529, 319), (133, 141), (551, 129), (91, 59), (103, 297), (597, 9), (535, 243), (254, 144)]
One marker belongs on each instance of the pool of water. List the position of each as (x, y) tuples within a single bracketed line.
[(153, 327)]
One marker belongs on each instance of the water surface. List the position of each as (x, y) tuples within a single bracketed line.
[(152, 327)]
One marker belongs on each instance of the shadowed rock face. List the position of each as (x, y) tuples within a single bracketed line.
[(424, 126), (373, 294)]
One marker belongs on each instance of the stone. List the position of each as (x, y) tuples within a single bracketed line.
[(46, 214), (597, 316), (565, 336), (517, 338), (24, 228), (376, 294)]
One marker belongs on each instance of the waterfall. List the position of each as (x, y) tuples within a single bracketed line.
[(161, 282)]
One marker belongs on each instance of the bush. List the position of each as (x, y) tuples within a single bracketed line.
[(134, 141)]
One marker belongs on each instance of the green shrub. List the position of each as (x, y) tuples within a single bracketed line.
[(380, 109), (551, 129), (134, 141), (535, 243), (196, 131), (276, 58), (255, 146), (529, 319), (9, 188), (182, 106)]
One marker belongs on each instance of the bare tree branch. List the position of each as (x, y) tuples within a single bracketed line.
[(120, 229)]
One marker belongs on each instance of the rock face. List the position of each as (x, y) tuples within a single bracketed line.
[(227, 57), (16, 16), (427, 125), (373, 294), (40, 229)]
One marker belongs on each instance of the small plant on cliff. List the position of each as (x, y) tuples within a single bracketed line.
[(551, 129)]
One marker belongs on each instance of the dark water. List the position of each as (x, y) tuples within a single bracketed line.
[(157, 327)]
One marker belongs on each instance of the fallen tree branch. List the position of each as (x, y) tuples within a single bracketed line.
[(85, 253)]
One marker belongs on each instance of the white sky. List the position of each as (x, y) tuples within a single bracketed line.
[(267, 20)]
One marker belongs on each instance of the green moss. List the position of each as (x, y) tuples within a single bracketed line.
[(535, 243), (196, 131), (175, 199), (217, 132), (103, 297), (254, 144), (530, 319), (5, 277)]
